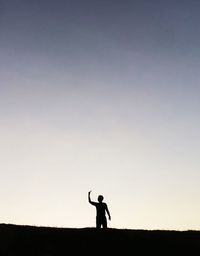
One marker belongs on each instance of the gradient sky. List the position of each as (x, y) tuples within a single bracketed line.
[(100, 95)]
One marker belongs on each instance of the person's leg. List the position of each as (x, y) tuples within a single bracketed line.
[(98, 223), (104, 222)]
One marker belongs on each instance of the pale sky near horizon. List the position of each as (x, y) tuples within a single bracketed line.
[(100, 95)]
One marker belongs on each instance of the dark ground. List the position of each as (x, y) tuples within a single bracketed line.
[(46, 241)]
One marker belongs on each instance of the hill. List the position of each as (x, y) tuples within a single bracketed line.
[(47, 241)]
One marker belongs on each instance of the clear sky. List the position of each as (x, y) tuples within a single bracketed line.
[(100, 95)]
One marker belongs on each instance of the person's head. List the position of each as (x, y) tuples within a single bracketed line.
[(100, 198)]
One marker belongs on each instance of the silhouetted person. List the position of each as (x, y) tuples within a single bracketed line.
[(102, 209)]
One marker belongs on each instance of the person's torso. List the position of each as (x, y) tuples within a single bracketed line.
[(101, 209)]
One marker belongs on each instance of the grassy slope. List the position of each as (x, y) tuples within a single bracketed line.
[(28, 240)]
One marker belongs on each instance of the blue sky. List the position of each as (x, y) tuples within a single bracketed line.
[(100, 95)]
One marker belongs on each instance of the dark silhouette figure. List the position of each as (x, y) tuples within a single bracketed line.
[(102, 209)]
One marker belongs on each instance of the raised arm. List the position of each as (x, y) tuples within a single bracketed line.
[(89, 199)]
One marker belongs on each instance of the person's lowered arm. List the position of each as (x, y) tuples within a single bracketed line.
[(108, 212)]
